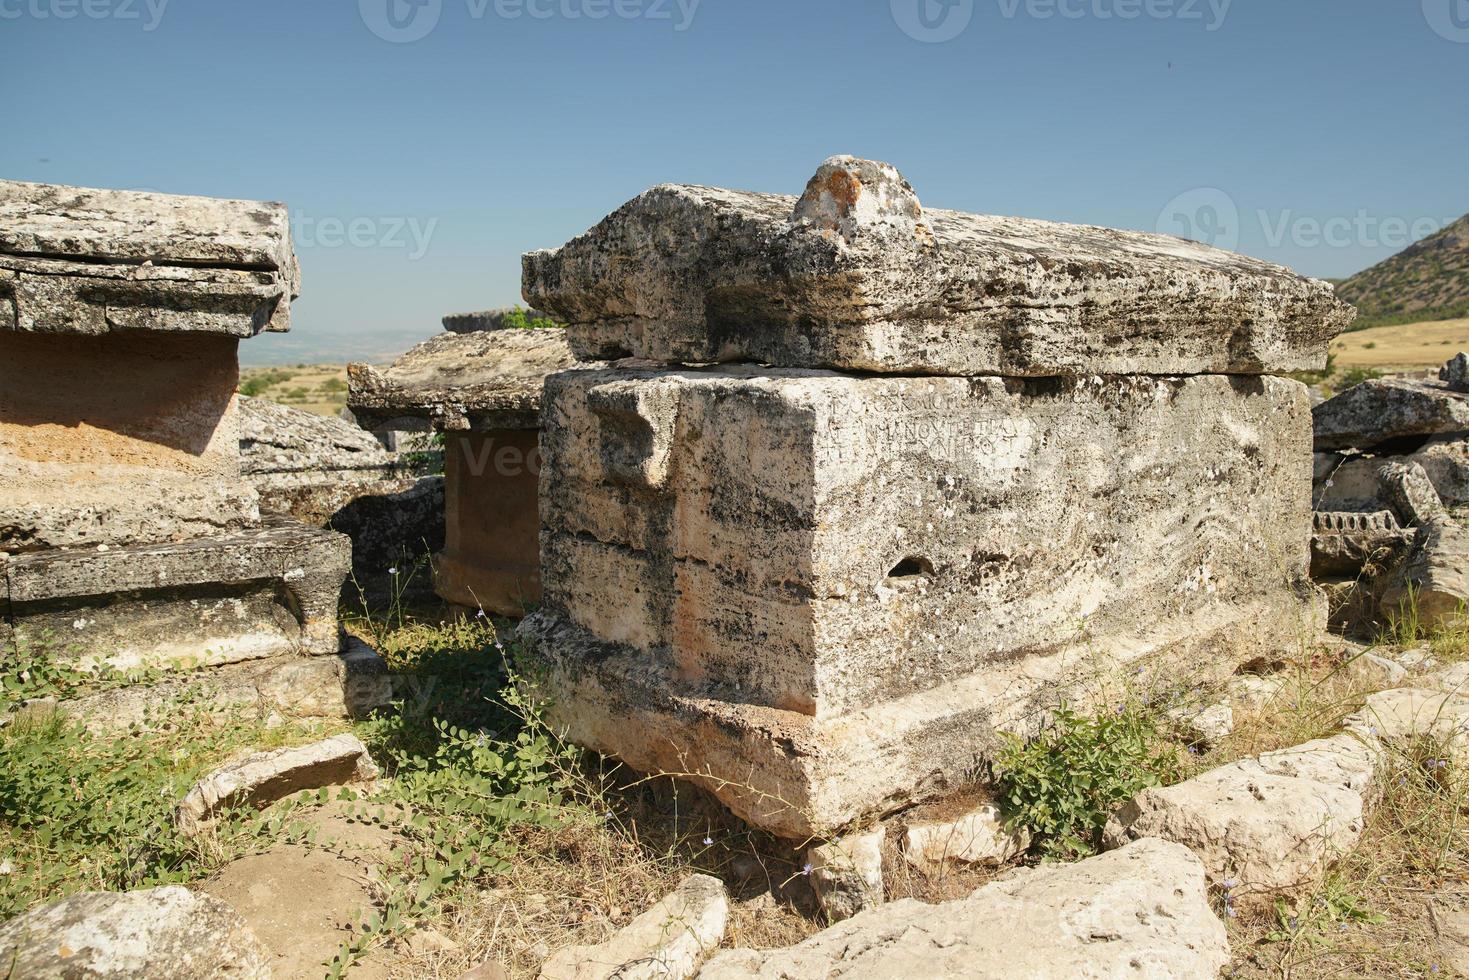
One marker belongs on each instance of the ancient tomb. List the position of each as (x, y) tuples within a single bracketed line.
[(977, 460), (128, 534), (478, 384)]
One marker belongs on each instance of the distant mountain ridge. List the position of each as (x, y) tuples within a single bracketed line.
[(1428, 280)]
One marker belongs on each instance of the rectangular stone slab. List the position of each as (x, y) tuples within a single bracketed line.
[(481, 379), (689, 274), (820, 543), (252, 595), (90, 261)]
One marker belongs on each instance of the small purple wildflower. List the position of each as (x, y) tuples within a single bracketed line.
[(708, 841), (807, 868)]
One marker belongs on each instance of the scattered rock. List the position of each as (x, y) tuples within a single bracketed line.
[(1381, 410), (488, 970), (1405, 713), (1142, 910), (1449, 913), (166, 933), (1450, 680), (977, 837), (1251, 692), (1418, 658), (1208, 724), (1410, 493), (1436, 572), (846, 874), (667, 942), (1371, 670), (1270, 833), (1455, 372), (1345, 542), (265, 777), (424, 941)]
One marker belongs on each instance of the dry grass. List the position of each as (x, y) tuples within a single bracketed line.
[(1402, 348), (317, 388)]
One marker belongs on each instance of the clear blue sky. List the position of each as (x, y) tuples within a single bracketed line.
[(516, 124)]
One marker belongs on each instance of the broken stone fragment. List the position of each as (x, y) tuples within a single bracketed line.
[(1432, 582), (1455, 372), (261, 779), (856, 276), (846, 874), (1207, 724), (1268, 833), (281, 446), (166, 933), (667, 942), (1142, 910), (88, 261), (1345, 542), (977, 837), (1410, 492), (1382, 410), (1403, 714)]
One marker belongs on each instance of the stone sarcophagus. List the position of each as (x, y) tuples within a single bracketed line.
[(128, 533), (822, 594), (479, 385)]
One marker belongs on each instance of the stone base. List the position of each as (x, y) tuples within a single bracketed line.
[(252, 595), (800, 776), (347, 685)]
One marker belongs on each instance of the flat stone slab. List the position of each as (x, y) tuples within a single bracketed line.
[(264, 777), (667, 942), (1382, 410), (482, 379), (283, 446), (89, 261), (857, 276), (1140, 911), (165, 933), (251, 595)]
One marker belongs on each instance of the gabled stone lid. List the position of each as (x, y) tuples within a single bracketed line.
[(81, 260), (485, 379), (857, 275)]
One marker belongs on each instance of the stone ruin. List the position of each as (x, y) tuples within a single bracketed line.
[(883, 481), (1391, 486), (129, 535), (480, 387), (327, 472)]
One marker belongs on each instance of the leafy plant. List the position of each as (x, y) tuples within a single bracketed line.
[(1063, 784), (519, 319), (34, 671)]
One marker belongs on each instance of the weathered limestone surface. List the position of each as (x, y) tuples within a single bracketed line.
[(1139, 911), (1436, 571), (846, 874), (328, 473), (264, 777), (488, 379), (855, 275), (777, 536), (250, 595), (976, 837), (1343, 542), (166, 933), (119, 439), (1385, 409), (351, 684), (81, 260), (739, 555), (667, 942)]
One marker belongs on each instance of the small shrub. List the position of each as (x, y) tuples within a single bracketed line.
[(1066, 782), (519, 319)]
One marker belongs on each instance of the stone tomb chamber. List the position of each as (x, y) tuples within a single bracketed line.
[(128, 534), (884, 481)]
